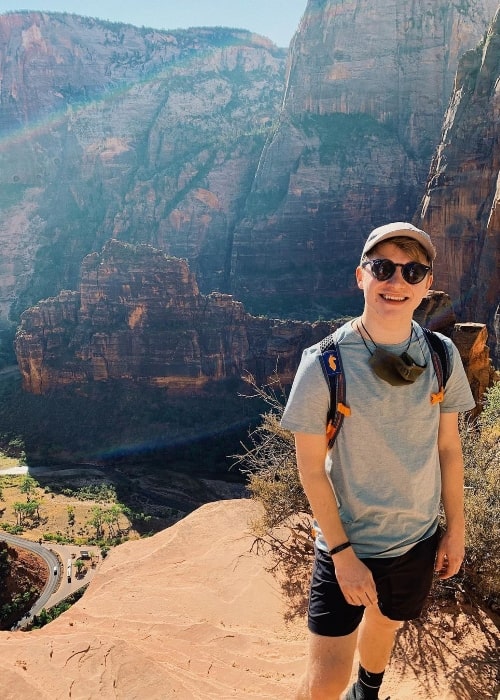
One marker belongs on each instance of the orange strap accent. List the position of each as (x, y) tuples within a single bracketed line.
[(332, 363), (437, 398), (330, 431), (342, 408)]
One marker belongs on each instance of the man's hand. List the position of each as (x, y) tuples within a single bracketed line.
[(355, 579), (450, 555)]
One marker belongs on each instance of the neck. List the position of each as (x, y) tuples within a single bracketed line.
[(385, 331)]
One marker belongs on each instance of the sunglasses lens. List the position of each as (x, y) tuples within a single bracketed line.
[(383, 269), (414, 272)]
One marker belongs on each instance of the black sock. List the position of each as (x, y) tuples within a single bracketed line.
[(368, 684)]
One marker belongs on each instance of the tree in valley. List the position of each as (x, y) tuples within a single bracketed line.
[(96, 520), (28, 486)]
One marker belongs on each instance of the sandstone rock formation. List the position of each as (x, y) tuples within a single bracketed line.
[(461, 207), (155, 137), (112, 130), (366, 90), (139, 315), (191, 613), (26, 573)]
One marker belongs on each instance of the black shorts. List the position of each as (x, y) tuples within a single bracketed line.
[(403, 584)]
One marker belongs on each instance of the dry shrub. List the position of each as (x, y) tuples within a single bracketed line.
[(270, 466), (481, 449)]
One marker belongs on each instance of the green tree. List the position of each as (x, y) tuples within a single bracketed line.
[(28, 486), (19, 510), (71, 516), (112, 519), (96, 520), (79, 565), (25, 511)]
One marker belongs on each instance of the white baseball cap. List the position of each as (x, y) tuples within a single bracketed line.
[(399, 228)]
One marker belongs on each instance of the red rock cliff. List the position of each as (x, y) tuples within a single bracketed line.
[(368, 84), (461, 207), (139, 315)]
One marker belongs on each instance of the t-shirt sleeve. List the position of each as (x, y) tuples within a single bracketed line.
[(458, 395), (307, 404)]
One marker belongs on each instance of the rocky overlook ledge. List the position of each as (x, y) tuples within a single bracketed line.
[(139, 315), (149, 626)]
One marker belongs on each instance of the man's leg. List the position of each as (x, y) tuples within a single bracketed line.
[(329, 667), (376, 639), (375, 643)]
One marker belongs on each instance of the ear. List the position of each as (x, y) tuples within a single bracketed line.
[(359, 277), (429, 281)]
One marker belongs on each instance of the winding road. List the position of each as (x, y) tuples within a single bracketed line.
[(57, 587)]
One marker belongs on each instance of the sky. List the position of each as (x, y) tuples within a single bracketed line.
[(276, 19)]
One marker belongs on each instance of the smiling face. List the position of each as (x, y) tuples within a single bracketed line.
[(393, 300)]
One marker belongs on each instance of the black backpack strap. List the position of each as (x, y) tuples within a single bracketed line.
[(440, 360), (331, 363)]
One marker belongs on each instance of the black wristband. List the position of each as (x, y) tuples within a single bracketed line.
[(339, 548)]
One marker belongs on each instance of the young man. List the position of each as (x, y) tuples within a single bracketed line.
[(375, 495)]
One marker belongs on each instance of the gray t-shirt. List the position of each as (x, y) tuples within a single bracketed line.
[(384, 465)]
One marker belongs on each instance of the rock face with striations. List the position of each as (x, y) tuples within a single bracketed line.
[(367, 87), (159, 138), (461, 207), (139, 315), (108, 130)]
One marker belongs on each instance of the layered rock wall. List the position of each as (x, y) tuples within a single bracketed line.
[(367, 87), (461, 206), (139, 316)]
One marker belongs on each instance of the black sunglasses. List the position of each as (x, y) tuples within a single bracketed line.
[(382, 270)]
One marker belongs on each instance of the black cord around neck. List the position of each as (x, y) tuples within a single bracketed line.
[(376, 346)]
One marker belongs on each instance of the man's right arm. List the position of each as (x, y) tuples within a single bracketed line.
[(354, 578)]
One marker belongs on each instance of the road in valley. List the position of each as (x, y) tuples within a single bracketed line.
[(58, 587)]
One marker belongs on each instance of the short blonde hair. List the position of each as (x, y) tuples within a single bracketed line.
[(409, 246)]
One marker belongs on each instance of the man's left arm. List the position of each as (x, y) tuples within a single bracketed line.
[(451, 548)]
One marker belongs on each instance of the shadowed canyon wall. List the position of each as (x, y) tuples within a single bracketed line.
[(461, 206), (367, 87), (108, 130)]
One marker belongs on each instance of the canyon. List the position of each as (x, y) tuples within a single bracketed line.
[(181, 209), (264, 171)]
